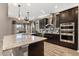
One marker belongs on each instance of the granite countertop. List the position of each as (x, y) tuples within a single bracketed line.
[(13, 41)]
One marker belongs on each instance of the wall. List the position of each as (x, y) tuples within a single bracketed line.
[(5, 22)]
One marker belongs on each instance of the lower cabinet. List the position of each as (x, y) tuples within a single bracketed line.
[(36, 49), (52, 37), (55, 39)]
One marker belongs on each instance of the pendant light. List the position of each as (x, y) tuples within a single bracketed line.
[(28, 15), (19, 12), (27, 18)]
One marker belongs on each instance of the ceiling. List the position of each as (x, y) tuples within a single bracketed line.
[(37, 10)]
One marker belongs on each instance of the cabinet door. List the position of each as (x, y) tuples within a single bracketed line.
[(67, 16), (76, 13), (76, 24)]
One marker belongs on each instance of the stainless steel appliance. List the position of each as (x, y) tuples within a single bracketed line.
[(67, 32)]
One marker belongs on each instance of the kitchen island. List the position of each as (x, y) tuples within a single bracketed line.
[(35, 44)]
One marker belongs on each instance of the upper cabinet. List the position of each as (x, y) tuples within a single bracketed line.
[(76, 13), (68, 15), (12, 10)]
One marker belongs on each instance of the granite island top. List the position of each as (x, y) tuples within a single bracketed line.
[(17, 40)]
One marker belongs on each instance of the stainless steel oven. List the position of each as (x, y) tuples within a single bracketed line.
[(67, 32)]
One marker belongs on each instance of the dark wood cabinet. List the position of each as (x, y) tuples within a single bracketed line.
[(53, 38), (76, 25), (66, 16), (36, 49)]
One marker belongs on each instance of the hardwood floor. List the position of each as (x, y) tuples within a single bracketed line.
[(55, 50)]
